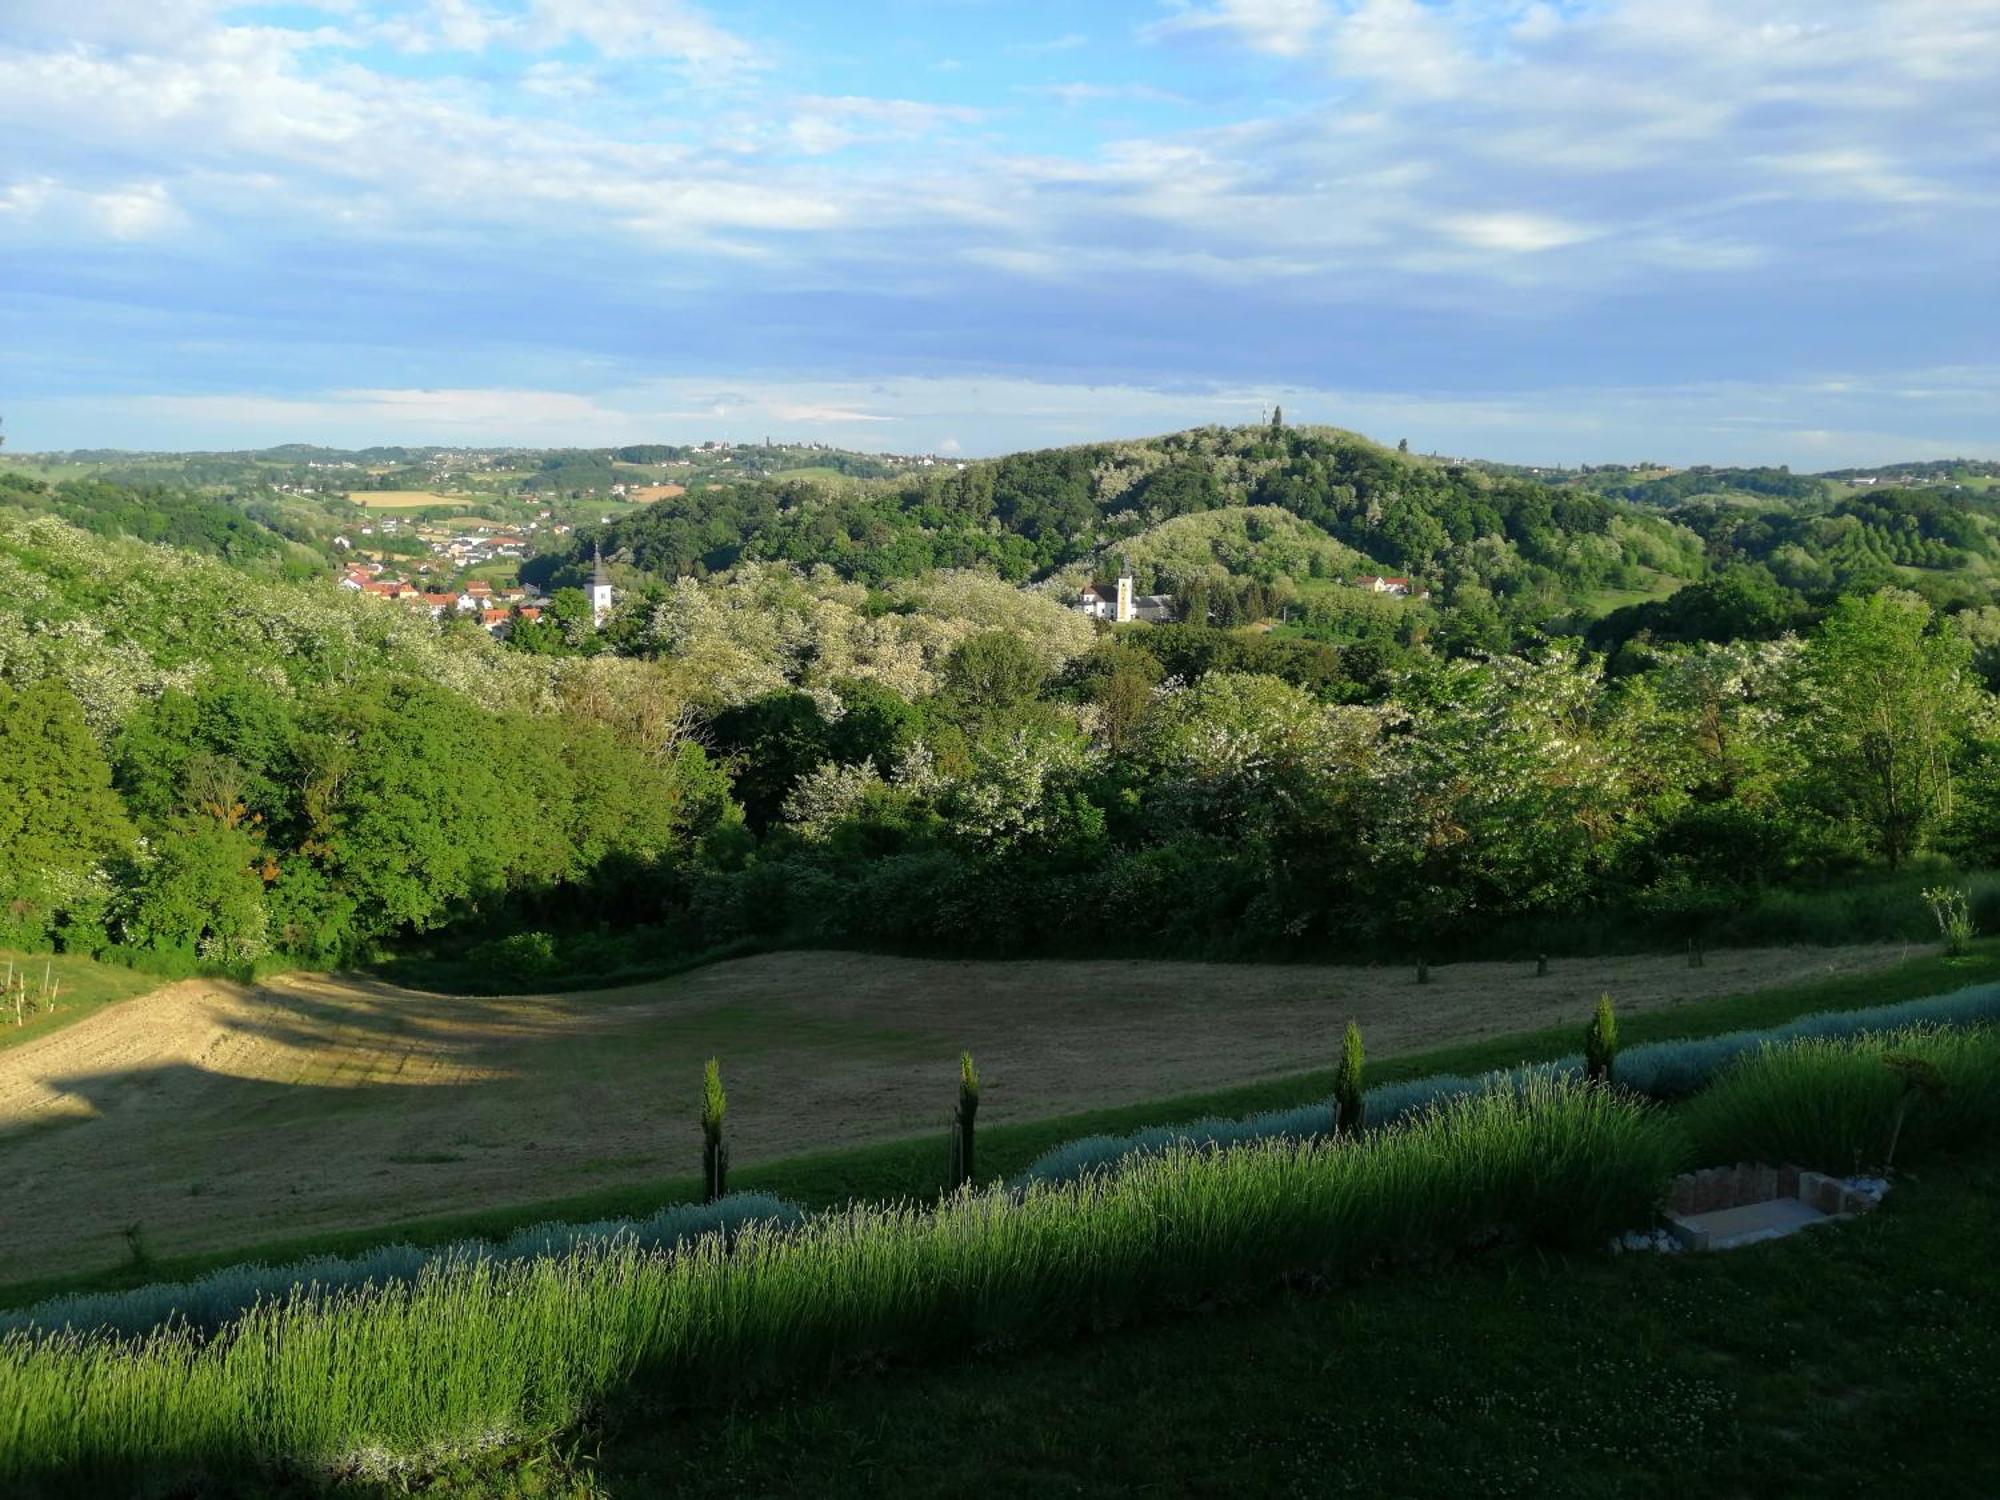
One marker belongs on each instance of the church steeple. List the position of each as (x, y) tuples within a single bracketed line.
[(600, 587)]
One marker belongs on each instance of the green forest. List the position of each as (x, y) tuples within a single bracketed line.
[(864, 712)]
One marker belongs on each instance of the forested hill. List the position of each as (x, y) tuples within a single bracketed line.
[(1267, 522), (155, 512), (1489, 544)]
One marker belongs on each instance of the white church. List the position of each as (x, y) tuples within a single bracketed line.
[(1121, 605), (600, 590)]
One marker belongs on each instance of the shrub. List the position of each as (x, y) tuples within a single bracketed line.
[(1951, 909), (479, 1351), (520, 957), (1600, 1042), (1833, 1104)]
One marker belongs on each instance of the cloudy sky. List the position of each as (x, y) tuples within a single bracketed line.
[(1586, 230)]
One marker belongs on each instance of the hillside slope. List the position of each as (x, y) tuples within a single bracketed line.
[(218, 1116)]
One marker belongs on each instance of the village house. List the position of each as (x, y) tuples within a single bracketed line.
[(1376, 584)]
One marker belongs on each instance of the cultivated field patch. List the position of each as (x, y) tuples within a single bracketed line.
[(401, 499), (218, 1115)]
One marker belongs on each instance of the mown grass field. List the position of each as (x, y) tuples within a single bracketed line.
[(362, 1151)]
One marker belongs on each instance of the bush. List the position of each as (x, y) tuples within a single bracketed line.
[(1832, 1104), (477, 1351), (518, 958)]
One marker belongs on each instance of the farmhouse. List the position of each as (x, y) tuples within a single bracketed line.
[(1375, 584)]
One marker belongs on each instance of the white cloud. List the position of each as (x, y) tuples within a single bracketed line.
[(614, 29), (820, 126), (1513, 233), (135, 213), (652, 28), (129, 211), (823, 416), (1282, 28), (1401, 44)]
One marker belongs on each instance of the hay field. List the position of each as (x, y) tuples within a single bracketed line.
[(219, 1116)]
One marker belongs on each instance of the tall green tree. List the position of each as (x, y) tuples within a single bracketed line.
[(1888, 702), (59, 814), (200, 893)]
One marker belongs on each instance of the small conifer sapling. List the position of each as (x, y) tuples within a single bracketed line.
[(1600, 1042), (961, 1121), (1347, 1091), (714, 1153)]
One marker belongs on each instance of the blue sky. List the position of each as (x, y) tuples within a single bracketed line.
[(1542, 230)]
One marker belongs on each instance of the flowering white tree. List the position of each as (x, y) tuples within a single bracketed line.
[(1499, 790)]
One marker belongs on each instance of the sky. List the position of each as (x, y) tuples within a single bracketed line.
[(1544, 231)]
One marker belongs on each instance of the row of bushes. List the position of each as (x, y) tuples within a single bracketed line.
[(1660, 1070), (205, 1306), (478, 1351)]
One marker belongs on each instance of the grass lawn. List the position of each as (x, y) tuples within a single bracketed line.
[(1859, 1359), (913, 1167), (82, 986)]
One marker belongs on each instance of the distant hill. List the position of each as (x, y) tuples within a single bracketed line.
[(1270, 518), (1302, 504)]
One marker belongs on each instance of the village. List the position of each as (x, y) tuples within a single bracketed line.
[(495, 609)]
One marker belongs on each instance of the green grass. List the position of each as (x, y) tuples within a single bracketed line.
[(1859, 1360), (1833, 1105), (83, 987), (478, 1349), (916, 1167)]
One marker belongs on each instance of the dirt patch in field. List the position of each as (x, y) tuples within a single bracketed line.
[(218, 1115)]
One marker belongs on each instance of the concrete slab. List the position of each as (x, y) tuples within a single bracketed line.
[(1748, 1224)]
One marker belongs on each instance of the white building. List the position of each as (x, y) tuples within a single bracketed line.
[(600, 590), (1121, 604)]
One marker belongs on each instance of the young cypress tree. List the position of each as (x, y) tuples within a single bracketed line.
[(1347, 1105), (1600, 1042), (961, 1121), (714, 1154)]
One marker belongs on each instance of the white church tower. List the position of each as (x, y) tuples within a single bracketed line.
[(1124, 611), (600, 590)]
